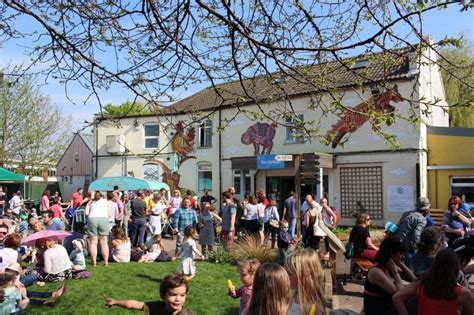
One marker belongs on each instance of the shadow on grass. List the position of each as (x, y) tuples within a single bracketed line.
[(231, 311), (150, 278)]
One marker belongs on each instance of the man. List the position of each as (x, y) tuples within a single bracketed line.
[(112, 208), (289, 213), (120, 207), (410, 226), (194, 205), (16, 203), (305, 206), (228, 220), (231, 191), (3, 233), (164, 195), (76, 198), (207, 198), (138, 216), (55, 195), (49, 223), (183, 217)]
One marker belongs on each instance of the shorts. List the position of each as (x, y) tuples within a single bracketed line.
[(98, 226)]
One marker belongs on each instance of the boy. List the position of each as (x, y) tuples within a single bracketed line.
[(173, 291), (284, 242)]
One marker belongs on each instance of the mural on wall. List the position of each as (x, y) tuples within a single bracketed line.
[(353, 119), (260, 134), (169, 177)]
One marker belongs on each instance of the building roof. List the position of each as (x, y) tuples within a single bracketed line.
[(386, 66), (89, 140)]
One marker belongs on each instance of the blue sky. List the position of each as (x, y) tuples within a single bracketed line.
[(449, 22)]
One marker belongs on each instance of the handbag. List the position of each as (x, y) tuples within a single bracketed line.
[(274, 223), (349, 254), (317, 231)]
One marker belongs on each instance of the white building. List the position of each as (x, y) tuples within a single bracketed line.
[(363, 173)]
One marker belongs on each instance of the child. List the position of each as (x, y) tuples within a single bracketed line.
[(284, 241), (188, 251), (77, 255), (247, 271), (271, 291), (9, 295), (304, 270), (173, 291), (154, 250)]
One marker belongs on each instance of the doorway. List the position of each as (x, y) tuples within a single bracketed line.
[(278, 189)]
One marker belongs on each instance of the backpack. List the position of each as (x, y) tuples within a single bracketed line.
[(349, 254)]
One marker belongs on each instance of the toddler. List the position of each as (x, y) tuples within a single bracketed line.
[(154, 250), (247, 271), (304, 270), (188, 250), (173, 291), (11, 300), (77, 255), (284, 241)]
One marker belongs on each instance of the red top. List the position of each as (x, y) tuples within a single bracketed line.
[(56, 210), (429, 306), (76, 200)]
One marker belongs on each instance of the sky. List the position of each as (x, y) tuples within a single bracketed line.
[(449, 22)]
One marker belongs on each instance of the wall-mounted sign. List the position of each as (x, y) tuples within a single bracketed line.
[(400, 198), (268, 162), (284, 157)]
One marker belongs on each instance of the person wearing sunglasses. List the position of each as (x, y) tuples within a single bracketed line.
[(456, 220), (3, 234), (360, 237)]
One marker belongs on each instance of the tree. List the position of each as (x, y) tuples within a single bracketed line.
[(157, 49), (127, 108), (458, 79), (34, 132)]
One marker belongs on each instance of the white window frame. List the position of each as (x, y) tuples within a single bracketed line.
[(145, 137), (199, 171), (237, 174), (205, 134), (453, 184), (291, 134)]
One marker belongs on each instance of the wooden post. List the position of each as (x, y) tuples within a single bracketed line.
[(297, 195)]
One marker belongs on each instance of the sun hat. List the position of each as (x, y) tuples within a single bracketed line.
[(14, 266)]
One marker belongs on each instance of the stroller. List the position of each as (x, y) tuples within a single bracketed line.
[(167, 226)]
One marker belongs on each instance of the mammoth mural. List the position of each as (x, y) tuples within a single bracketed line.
[(260, 134)]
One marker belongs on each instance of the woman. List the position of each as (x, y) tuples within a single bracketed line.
[(86, 200), (126, 212), (8, 253), (271, 213), (155, 215), (384, 279), (206, 218), (452, 222), (431, 241), (98, 228), (45, 200), (438, 292), (360, 237), (251, 215), (311, 214), (120, 246), (176, 200), (58, 214), (57, 266)]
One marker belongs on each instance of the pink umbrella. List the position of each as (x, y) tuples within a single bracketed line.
[(45, 234)]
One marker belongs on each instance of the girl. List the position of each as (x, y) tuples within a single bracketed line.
[(156, 211), (438, 293), (9, 295), (77, 255), (271, 213), (206, 222), (120, 245), (188, 251), (176, 200), (304, 270), (154, 250), (247, 272), (271, 291)]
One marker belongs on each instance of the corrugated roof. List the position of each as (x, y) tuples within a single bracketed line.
[(389, 65), (89, 140)]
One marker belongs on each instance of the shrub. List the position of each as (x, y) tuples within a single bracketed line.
[(218, 255), (248, 247)]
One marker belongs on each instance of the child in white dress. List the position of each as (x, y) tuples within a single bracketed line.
[(154, 250), (188, 252)]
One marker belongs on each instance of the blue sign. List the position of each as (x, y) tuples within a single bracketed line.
[(267, 162)]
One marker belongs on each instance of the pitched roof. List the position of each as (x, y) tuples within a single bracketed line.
[(89, 140), (386, 66)]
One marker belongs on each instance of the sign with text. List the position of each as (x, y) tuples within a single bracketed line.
[(268, 162), (400, 198)]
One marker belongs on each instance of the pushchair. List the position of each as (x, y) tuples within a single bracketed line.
[(167, 226)]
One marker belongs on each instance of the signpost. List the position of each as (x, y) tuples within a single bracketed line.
[(270, 162)]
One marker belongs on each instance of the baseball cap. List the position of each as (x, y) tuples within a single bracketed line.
[(423, 204)]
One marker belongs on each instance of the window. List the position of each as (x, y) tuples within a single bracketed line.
[(205, 134), (239, 190), (204, 176), (464, 187), (294, 133), (361, 191), (151, 135), (151, 172), (360, 64)]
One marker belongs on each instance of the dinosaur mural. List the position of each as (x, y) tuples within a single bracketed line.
[(353, 119), (260, 134)]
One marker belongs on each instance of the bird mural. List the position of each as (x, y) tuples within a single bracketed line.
[(183, 141)]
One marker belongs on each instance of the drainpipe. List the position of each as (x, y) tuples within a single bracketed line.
[(96, 134), (220, 154)]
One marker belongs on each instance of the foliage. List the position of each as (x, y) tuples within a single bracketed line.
[(158, 49), (140, 281), (219, 255), (248, 247), (457, 69), (127, 108), (33, 131), (342, 229)]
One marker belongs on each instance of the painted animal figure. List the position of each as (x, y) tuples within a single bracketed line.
[(182, 143), (260, 134), (352, 119)]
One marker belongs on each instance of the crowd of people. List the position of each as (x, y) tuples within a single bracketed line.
[(414, 269)]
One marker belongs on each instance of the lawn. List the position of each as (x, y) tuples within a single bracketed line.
[(140, 281)]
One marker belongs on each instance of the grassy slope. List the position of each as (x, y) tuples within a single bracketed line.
[(207, 291)]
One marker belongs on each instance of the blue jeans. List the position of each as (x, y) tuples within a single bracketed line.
[(28, 280), (292, 227), (138, 231)]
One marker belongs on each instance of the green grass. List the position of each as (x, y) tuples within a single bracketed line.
[(140, 281)]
